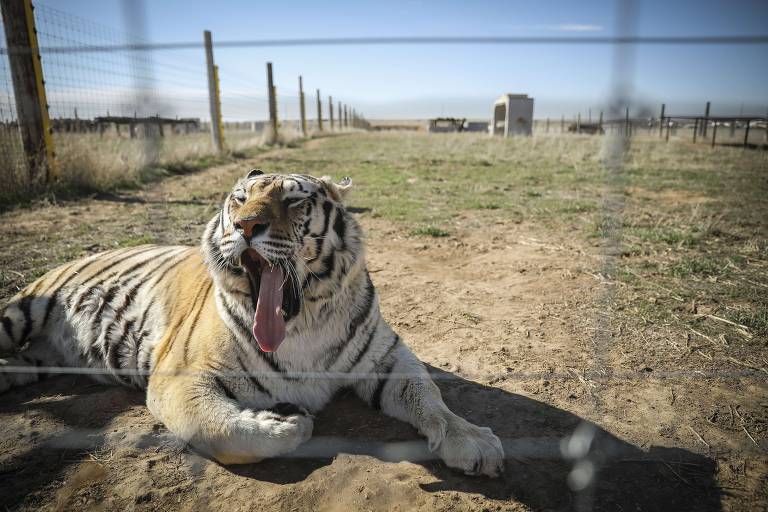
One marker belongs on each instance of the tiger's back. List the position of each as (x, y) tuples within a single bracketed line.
[(108, 313)]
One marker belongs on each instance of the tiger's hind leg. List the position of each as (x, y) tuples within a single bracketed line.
[(31, 365), (31, 328), (204, 411)]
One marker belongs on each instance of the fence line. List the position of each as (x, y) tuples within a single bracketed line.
[(125, 94)]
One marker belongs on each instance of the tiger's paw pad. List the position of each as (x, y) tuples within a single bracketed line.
[(472, 449)]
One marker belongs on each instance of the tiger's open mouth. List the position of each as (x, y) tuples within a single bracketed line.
[(274, 305)]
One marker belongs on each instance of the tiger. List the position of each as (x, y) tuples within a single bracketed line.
[(240, 341)]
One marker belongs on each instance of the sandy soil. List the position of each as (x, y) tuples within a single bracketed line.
[(506, 316)]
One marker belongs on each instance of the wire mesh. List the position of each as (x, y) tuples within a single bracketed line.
[(127, 80)]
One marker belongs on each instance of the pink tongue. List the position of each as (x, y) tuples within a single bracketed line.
[(268, 323)]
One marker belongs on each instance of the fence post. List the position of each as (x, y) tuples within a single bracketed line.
[(666, 138), (661, 120), (212, 98), (695, 129), (746, 133), (302, 110), (319, 112), (219, 120), (706, 121), (562, 124), (338, 114), (714, 134), (29, 90), (272, 105), (330, 110)]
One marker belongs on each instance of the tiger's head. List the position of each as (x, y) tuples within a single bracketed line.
[(277, 231)]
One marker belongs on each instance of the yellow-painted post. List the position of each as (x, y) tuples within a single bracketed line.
[(302, 108), (29, 90), (219, 121)]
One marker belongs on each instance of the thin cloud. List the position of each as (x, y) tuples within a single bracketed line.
[(574, 27)]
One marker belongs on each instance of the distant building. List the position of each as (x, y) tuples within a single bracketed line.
[(512, 115)]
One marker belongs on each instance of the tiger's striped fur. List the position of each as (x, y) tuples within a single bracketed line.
[(176, 321)]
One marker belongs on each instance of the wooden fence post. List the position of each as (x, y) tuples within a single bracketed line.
[(666, 138), (213, 102), (330, 110), (562, 124), (600, 123), (661, 120), (628, 124), (272, 105), (29, 91), (746, 133), (319, 112), (714, 134), (706, 121), (338, 113), (302, 108), (578, 123), (695, 129), (219, 120)]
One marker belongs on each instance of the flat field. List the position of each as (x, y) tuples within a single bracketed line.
[(610, 323)]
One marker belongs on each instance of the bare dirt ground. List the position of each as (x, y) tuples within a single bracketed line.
[(506, 314)]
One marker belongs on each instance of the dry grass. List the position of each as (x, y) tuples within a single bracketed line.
[(92, 163)]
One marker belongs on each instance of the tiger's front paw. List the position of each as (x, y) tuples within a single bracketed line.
[(472, 449)]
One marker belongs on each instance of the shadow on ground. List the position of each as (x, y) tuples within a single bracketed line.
[(546, 461)]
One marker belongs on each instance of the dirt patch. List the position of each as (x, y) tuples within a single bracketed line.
[(505, 314)]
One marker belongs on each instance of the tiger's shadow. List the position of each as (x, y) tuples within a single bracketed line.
[(550, 453)]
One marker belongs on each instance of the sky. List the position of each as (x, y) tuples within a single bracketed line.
[(432, 80)]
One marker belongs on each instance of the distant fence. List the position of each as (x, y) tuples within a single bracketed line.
[(56, 81), (747, 131)]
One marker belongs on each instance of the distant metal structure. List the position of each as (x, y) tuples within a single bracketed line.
[(512, 115), (445, 125)]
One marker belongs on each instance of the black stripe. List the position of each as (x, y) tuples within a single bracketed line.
[(224, 388), (376, 397), (25, 305), (8, 326), (364, 349), (319, 239), (200, 308), (355, 323), (340, 227), (258, 385)]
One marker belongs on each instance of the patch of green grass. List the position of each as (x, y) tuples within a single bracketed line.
[(667, 235), (756, 321), (432, 231), (132, 241), (486, 206), (696, 266)]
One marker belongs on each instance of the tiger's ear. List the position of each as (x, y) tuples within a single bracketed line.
[(253, 173), (340, 190)]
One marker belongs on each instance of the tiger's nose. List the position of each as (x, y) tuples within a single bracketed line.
[(252, 226)]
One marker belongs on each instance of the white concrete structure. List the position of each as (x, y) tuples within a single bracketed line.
[(512, 115)]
